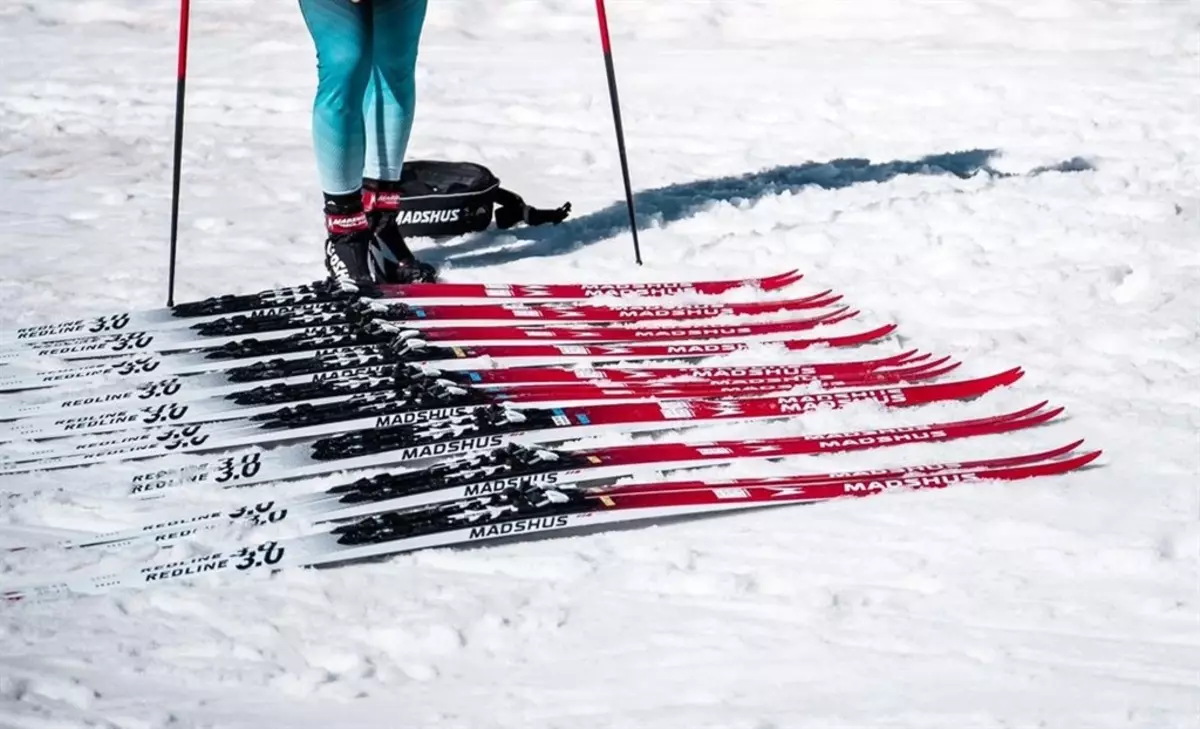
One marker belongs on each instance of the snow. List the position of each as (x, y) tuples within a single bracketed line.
[(1065, 602)]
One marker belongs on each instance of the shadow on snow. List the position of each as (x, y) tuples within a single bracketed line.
[(669, 204)]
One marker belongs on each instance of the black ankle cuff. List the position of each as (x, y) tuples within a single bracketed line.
[(381, 185), (350, 202)]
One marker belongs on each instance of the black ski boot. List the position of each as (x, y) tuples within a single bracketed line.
[(347, 243), (391, 260)]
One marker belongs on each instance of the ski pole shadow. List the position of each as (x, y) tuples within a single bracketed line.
[(665, 205)]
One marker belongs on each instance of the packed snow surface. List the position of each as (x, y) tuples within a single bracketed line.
[(1013, 183)]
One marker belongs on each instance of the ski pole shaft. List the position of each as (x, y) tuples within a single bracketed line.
[(602, 16), (180, 90)]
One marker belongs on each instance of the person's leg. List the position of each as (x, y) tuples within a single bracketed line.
[(391, 95), (389, 108), (341, 32)]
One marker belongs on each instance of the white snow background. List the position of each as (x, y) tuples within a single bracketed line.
[(1067, 602)]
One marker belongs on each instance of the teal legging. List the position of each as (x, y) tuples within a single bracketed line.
[(363, 113)]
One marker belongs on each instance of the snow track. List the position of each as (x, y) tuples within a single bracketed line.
[(1060, 602)]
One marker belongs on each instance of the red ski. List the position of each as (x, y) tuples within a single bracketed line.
[(620, 333), (421, 351), (809, 489), (727, 374), (572, 312), (600, 391), (583, 290), (533, 512), (410, 435), (783, 405), (318, 299), (585, 468), (530, 512), (789, 447), (581, 464)]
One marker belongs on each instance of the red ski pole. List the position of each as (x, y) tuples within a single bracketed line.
[(602, 16), (180, 87)]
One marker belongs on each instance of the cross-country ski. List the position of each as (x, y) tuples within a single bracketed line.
[(318, 298), (532, 512), (248, 388), (519, 465), (259, 402), (417, 420), (342, 350)]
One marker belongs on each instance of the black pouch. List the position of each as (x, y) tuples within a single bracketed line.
[(443, 199)]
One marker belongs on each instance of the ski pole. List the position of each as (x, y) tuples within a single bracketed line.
[(180, 87), (602, 16)]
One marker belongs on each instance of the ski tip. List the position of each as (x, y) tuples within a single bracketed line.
[(943, 370), (780, 280), (937, 362), (1086, 459), (825, 298), (1059, 452), (1052, 413), (1026, 418), (865, 337), (910, 357), (885, 330), (1007, 377), (927, 370), (1060, 465), (1037, 465), (837, 316), (1026, 412), (1030, 418), (811, 300), (977, 386)]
